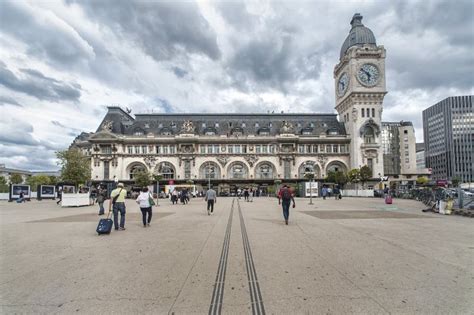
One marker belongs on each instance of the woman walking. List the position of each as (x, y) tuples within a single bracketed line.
[(145, 200)]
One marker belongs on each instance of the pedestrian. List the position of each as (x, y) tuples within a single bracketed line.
[(284, 198), (21, 198), (336, 192), (239, 192), (145, 200), (251, 193), (174, 196), (211, 198), (117, 202), (60, 195), (100, 198), (246, 194), (324, 192)]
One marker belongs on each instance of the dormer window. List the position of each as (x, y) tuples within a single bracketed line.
[(257, 125), (307, 131), (263, 132), (333, 132), (138, 132)]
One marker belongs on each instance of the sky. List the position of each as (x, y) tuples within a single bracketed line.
[(63, 62)]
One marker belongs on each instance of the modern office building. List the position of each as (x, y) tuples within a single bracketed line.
[(420, 156), (448, 128)]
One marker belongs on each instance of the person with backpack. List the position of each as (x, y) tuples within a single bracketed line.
[(145, 200), (285, 197), (117, 202)]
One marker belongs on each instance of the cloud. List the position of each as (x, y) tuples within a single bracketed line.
[(6, 100), (48, 37), (163, 29), (34, 83)]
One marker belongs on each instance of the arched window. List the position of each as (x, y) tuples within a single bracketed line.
[(210, 170), (238, 171), (264, 171), (336, 167), (136, 169), (308, 167), (166, 170)]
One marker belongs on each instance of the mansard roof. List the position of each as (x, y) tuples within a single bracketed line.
[(119, 122)]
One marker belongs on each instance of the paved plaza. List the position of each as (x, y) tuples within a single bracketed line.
[(355, 255)]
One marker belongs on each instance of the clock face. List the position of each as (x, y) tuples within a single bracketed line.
[(342, 84), (368, 74)]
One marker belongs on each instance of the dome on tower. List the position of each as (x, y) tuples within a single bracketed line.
[(358, 35)]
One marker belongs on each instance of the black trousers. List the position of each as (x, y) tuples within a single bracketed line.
[(146, 211), (210, 205)]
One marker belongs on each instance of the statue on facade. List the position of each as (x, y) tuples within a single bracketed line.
[(354, 114), (222, 160), (251, 159), (322, 160), (107, 126), (188, 127), (287, 127), (150, 161)]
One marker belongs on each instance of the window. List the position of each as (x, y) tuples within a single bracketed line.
[(369, 136), (130, 149), (328, 148), (106, 149), (165, 149), (210, 171), (301, 149), (106, 170), (373, 112), (166, 170), (264, 149), (209, 148), (335, 148), (144, 149), (272, 149), (322, 148), (202, 149), (368, 112), (210, 133), (311, 125), (405, 131), (172, 149), (315, 148), (264, 171), (230, 149), (237, 171), (243, 125), (363, 112), (406, 146), (216, 125), (237, 149), (407, 160), (158, 149), (258, 149), (257, 125), (135, 169), (203, 125), (137, 150)]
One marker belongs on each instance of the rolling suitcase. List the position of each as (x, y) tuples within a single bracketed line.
[(388, 199), (105, 225)]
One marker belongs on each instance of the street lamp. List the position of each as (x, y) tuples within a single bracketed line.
[(310, 176), (157, 178), (209, 174)]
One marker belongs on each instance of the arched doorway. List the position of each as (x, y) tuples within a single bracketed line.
[(166, 170)]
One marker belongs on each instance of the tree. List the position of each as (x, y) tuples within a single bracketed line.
[(330, 177), (75, 166), (421, 181), (365, 174), (53, 180), (354, 176), (142, 178), (36, 180), (456, 181), (16, 178), (340, 178), (3, 185)]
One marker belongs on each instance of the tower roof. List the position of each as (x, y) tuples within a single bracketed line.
[(358, 35)]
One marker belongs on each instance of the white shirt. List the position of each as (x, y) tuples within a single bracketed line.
[(143, 199)]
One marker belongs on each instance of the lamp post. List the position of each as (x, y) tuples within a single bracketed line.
[(209, 174), (310, 176), (157, 178)]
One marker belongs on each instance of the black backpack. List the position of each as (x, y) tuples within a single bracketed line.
[(286, 195)]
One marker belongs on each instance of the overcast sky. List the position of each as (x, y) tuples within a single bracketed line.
[(63, 62)]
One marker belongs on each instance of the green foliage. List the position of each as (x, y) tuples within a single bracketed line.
[(16, 178), (309, 175), (330, 177), (157, 177), (456, 181), (340, 178), (3, 185), (75, 166), (53, 180), (36, 180), (422, 180), (354, 175), (365, 174), (142, 178), (277, 181)]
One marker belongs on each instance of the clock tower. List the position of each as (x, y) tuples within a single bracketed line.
[(360, 89)]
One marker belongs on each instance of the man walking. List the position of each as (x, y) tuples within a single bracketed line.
[(100, 200), (284, 198), (118, 203), (211, 198)]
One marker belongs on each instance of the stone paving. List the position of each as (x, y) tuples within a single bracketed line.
[(355, 255)]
